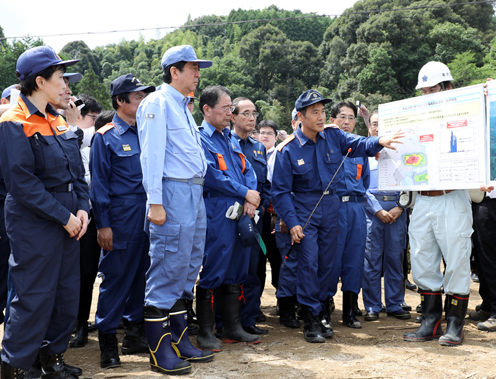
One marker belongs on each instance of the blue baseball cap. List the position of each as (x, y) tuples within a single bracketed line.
[(294, 113), (73, 77), (6, 92), (247, 233), (308, 98), (35, 60), (183, 53), (128, 83)]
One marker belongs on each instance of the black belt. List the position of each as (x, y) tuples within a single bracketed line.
[(313, 193), (353, 199), (191, 181), (68, 187), (386, 197)]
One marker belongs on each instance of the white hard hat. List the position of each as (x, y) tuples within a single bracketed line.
[(433, 73)]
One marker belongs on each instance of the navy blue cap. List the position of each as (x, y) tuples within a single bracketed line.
[(128, 83), (6, 91), (183, 53), (308, 98), (247, 233), (34, 60), (73, 77)]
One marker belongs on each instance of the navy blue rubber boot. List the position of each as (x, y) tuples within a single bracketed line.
[(163, 358), (180, 339)]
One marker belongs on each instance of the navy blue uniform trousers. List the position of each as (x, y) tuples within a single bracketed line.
[(317, 250), (44, 268), (122, 291)]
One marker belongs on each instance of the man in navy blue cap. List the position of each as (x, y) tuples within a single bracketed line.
[(119, 208), (6, 94), (174, 166), (305, 165)]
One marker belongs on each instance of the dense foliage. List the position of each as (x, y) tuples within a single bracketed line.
[(362, 55)]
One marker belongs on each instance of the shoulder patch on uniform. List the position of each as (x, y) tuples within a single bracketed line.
[(285, 142), (104, 129)]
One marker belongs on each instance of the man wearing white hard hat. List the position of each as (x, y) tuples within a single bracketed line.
[(440, 227)]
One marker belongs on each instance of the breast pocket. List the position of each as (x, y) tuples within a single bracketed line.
[(182, 141), (302, 172), (47, 153), (126, 163), (69, 143)]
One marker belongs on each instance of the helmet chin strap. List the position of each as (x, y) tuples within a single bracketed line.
[(443, 88)]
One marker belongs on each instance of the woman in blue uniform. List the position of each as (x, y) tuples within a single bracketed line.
[(46, 213)]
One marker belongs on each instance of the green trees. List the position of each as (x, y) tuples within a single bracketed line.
[(9, 52)]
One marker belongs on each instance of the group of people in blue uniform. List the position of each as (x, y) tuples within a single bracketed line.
[(161, 193)]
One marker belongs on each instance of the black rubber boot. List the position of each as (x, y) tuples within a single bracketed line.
[(432, 313), (54, 367), (349, 317), (287, 316), (109, 352), (230, 313), (312, 326), (205, 309), (80, 339), (457, 309), (180, 338), (163, 358), (134, 341), (9, 372), (325, 318), (192, 319)]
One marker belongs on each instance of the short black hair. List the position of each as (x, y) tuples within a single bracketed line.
[(268, 124), (28, 85), (167, 75), (103, 119), (236, 102), (337, 108), (210, 96), (91, 105), (123, 97)]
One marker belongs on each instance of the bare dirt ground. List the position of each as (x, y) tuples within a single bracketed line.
[(375, 351)]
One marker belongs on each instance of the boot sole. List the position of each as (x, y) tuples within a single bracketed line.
[(212, 349), (179, 371), (247, 342), (449, 343), (207, 358), (421, 339), (110, 365), (315, 340)]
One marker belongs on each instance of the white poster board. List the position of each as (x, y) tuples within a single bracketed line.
[(445, 144)]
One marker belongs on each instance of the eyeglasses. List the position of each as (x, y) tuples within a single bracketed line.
[(349, 118), (92, 116), (248, 114), (268, 133), (375, 124), (227, 109), (255, 132)]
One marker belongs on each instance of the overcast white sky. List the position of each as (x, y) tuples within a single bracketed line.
[(48, 17)]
